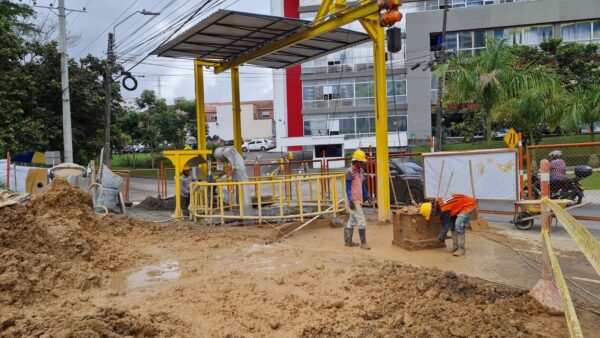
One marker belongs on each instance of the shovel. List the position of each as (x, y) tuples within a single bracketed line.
[(477, 224)]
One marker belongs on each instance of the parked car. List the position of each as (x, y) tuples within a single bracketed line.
[(500, 133), (406, 173), (258, 144), (586, 129)]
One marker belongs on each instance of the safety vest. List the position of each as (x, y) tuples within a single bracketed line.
[(457, 203)]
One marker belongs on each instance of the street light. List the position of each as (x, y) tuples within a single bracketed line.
[(110, 59)]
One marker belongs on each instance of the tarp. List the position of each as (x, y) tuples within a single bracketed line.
[(495, 174), (30, 157)]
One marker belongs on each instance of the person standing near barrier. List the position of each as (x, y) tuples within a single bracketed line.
[(186, 179), (356, 194), (454, 212)]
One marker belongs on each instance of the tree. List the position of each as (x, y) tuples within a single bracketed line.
[(30, 91), (531, 111), (583, 109), (490, 78)]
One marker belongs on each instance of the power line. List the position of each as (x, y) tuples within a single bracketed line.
[(104, 31)]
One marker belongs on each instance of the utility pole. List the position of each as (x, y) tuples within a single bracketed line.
[(64, 80), (439, 110), (159, 87), (108, 98), (64, 74)]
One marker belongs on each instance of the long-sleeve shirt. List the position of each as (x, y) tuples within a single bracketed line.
[(355, 188), (185, 185)]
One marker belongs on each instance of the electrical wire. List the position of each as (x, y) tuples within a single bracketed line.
[(105, 29)]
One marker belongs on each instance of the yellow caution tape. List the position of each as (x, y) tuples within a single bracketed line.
[(570, 315), (582, 237)]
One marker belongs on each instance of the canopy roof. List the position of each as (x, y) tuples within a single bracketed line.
[(226, 35)]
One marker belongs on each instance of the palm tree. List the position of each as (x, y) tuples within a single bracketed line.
[(491, 78), (583, 109), (531, 110)]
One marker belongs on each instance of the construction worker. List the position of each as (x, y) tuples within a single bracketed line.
[(454, 212), (356, 194), (191, 143), (186, 179)]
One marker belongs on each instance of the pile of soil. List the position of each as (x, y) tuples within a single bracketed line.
[(409, 210), (57, 242), (406, 301), (156, 204)]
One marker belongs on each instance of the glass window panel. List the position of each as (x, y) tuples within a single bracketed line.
[(473, 3), (458, 3), (451, 41), (479, 39), (347, 126), (596, 30), (362, 125), (348, 91), (584, 31), (465, 40), (362, 90), (308, 93), (371, 124)]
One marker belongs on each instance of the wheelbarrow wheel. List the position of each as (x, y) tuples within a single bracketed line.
[(523, 225)]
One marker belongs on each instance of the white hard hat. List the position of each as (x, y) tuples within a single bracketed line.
[(191, 140)]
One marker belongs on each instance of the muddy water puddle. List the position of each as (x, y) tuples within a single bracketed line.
[(149, 275)]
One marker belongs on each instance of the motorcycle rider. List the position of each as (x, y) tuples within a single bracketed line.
[(558, 169)]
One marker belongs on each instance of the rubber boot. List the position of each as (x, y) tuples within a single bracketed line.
[(454, 243), (461, 245), (363, 239), (348, 237)]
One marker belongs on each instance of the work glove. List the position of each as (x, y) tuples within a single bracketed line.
[(352, 206)]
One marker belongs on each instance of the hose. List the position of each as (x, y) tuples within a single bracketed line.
[(104, 212)]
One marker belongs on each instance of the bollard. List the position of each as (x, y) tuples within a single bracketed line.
[(546, 290)]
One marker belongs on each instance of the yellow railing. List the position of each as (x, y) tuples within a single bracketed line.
[(588, 245), (272, 197)]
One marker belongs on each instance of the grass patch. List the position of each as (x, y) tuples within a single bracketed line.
[(592, 182)]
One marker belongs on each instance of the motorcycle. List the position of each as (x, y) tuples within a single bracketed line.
[(569, 188)]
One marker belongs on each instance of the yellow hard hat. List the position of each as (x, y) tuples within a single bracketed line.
[(425, 210), (359, 155)]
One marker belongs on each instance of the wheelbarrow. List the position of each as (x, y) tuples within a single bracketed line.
[(531, 209)]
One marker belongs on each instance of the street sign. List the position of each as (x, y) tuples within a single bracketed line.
[(512, 138)]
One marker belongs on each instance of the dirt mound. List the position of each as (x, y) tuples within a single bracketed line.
[(408, 301), (102, 322), (55, 242), (154, 204)]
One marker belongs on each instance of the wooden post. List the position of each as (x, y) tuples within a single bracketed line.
[(546, 290)]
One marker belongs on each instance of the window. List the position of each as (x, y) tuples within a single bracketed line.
[(596, 34), (580, 31), (397, 123), (265, 114)]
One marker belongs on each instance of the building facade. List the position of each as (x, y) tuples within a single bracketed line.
[(256, 116), (335, 93)]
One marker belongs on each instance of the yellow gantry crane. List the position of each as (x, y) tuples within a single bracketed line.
[(373, 15)]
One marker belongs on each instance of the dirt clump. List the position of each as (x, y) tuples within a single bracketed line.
[(151, 203), (56, 242)]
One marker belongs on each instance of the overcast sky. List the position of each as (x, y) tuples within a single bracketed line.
[(176, 76)]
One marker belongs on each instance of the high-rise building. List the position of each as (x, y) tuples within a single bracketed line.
[(327, 104)]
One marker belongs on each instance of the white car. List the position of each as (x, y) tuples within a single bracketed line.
[(586, 129), (258, 144)]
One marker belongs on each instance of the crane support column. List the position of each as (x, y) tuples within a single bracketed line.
[(200, 108), (200, 112), (237, 110), (377, 35)]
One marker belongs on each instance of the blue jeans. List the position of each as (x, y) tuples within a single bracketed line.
[(447, 223), (461, 223)]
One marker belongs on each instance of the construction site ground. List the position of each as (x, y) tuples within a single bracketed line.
[(65, 272)]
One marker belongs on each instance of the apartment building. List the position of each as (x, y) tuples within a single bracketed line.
[(328, 103)]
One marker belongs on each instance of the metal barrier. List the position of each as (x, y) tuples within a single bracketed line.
[(282, 197), (552, 293), (576, 154)]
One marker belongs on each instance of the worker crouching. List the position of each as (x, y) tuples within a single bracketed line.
[(454, 213), (356, 193)]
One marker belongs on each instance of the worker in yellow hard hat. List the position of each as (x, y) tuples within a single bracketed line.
[(454, 212), (356, 194), (186, 179)]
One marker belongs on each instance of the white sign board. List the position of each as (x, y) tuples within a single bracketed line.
[(494, 174)]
